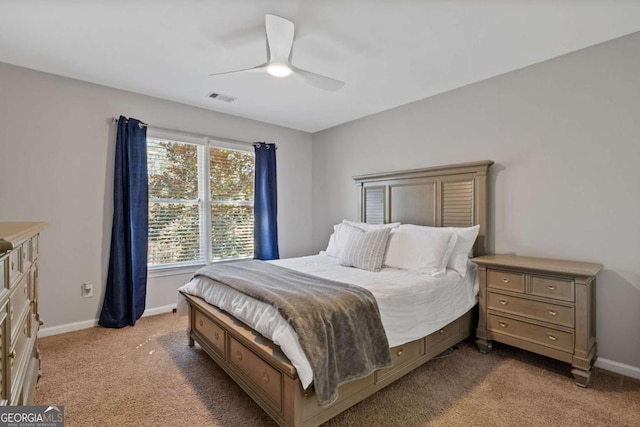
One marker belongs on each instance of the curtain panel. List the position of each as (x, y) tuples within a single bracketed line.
[(125, 295), (265, 207)]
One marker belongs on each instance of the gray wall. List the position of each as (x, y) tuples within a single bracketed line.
[(56, 165), (565, 136)]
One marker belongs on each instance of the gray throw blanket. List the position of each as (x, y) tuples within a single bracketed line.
[(338, 324)]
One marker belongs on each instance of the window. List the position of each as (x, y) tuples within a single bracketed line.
[(200, 202)]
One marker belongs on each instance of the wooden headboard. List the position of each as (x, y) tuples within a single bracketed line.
[(441, 196)]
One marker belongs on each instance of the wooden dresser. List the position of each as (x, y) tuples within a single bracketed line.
[(19, 318), (542, 305)]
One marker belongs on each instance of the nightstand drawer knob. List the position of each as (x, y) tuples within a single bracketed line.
[(505, 280), (441, 331), (503, 324), (552, 337), (503, 301), (551, 287), (553, 312), (399, 352)]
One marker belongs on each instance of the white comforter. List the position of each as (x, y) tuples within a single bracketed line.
[(412, 305)]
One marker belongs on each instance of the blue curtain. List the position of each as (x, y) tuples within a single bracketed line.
[(126, 289), (265, 207)]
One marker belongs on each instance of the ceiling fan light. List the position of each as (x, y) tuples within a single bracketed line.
[(278, 70)]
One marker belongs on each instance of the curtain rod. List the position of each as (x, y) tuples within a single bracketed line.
[(195, 134)]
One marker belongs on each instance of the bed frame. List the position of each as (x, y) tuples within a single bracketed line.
[(454, 195)]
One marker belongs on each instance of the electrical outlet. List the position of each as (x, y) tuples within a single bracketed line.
[(86, 290)]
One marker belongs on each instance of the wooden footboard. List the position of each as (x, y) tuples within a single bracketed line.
[(264, 372)]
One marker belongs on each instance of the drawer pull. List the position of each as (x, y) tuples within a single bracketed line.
[(265, 377), (239, 355), (503, 301), (216, 336), (201, 322), (12, 355), (399, 353), (441, 331), (13, 265), (11, 312), (505, 280), (25, 290), (553, 312), (503, 324), (551, 287), (552, 337)]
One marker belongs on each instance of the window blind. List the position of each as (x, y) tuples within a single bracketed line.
[(200, 202)]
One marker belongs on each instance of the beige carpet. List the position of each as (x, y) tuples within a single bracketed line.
[(148, 376)]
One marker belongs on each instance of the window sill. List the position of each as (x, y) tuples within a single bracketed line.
[(153, 272), (178, 270)]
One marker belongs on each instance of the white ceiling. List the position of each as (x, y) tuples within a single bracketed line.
[(388, 52)]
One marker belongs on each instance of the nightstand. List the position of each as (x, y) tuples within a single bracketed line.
[(546, 306)]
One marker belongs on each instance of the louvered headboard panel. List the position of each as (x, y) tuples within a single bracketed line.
[(442, 196)]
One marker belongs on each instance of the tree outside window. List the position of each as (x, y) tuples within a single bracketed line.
[(200, 203)]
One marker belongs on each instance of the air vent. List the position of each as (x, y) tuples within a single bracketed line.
[(221, 97)]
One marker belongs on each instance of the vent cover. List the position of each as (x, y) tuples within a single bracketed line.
[(221, 97)]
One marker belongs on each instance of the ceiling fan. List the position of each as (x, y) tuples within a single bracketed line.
[(279, 43)]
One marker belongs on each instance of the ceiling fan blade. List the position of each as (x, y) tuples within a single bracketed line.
[(321, 82), (279, 38), (245, 70)]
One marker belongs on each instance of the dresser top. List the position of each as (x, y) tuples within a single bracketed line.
[(12, 234), (574, 268)]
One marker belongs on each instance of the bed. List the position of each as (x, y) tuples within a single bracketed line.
[(444, 196)]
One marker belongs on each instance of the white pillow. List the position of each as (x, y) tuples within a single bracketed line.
[(339, 238), (425, 250), (332, 247), (364, 249), (466, 237), (462, 251)]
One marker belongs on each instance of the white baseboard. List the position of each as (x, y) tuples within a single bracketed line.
[(618, 368), (86, 324), (158, 310), (69, 327)]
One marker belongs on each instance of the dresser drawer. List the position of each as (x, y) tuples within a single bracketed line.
[(14, 266), (264, 377), (400, 356), (552, 313), (3, 273), (3, 351), (505, 280), (26, 256), (35, 248), (18, 302), (548, 287), (211, 332), (547, 337), (18, 352)]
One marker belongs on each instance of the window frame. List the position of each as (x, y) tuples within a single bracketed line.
[(204, 200)]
